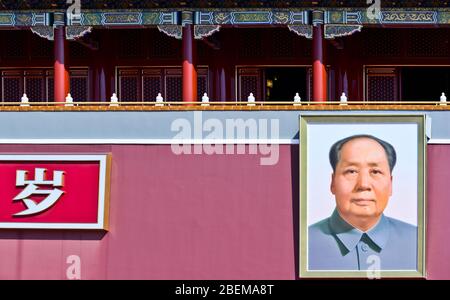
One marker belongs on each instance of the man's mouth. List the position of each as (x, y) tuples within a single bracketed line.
[(363, 202)]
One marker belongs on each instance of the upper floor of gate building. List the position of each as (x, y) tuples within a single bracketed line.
[(226, 53)]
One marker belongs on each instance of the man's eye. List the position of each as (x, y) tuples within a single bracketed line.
[(350, 171), (375, 171)]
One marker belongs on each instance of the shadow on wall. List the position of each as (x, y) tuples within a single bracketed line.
[(40, 234), (295, 182)]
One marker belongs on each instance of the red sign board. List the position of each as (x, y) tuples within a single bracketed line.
[(54, 191)]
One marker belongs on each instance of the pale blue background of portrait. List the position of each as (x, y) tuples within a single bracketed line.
[(403, 203)]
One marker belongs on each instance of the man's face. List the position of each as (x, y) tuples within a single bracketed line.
[(362, 182)]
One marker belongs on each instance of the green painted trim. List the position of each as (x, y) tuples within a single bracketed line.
[(296, 16), (418, 119), (90, 18)]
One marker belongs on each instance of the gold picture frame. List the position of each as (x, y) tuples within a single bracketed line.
[(317, 133)]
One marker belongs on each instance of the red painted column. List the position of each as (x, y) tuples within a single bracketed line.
[(60, 67), (319, 67), (189, 67)]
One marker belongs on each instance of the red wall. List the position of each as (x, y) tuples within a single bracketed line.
[(197, 217), (438, 212), (172, 217)]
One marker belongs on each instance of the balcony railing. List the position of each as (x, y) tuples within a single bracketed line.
[(229, 105)]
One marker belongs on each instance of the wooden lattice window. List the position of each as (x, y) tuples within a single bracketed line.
[(78, 51), (428, 43), (173, 85), (14, 44), (129, 85), (202, 83), (79, 85), (131, 44), (50, 87), (35, 85), (282, 44), (38, 84), (151, 83), (163, 46), (305, 46), (383, 42), (41, 48), (381, 84), (144, 84), (250, 81), (250, 43), (12, 86)]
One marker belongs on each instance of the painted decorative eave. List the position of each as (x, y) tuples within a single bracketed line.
[(233, 17), (222, 4)]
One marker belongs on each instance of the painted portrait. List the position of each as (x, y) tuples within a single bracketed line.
[(362, 196)]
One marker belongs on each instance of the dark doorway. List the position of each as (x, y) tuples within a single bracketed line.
[(281, 84), (424, 83)]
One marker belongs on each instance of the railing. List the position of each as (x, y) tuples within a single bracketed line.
[(250, 104), (256, 104)]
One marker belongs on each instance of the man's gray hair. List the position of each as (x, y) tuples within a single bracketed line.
[(335, 150)]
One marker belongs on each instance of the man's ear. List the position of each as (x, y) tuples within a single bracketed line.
[(390, 192), (332, 183)]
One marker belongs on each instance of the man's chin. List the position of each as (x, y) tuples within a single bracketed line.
[(365, 212)]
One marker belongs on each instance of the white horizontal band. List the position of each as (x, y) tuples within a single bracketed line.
[(152, 141), (169, 141), (439, 141)]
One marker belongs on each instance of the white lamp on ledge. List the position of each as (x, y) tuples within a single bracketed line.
[(69, 100), (297, 99), (251, 100), (114, 100), (24, 100), (443, 99), (205, 100), (343, 99), (159, 100)]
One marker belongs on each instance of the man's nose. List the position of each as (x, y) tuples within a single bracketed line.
[(363, 182)]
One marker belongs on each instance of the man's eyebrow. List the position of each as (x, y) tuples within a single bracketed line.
[(352, 163)]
